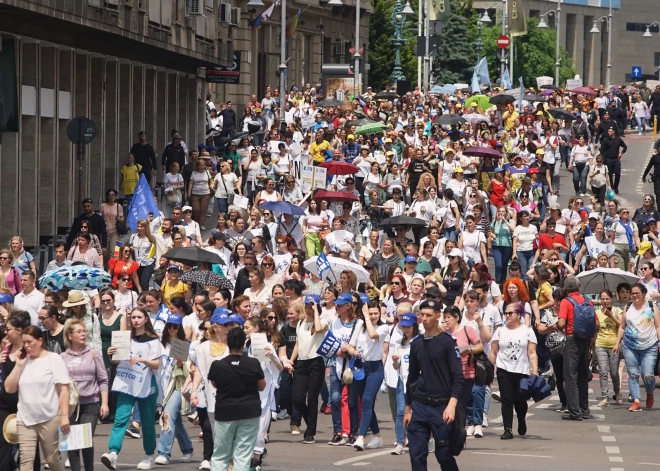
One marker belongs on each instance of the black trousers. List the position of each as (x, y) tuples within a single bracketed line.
[(509, 384), (286, 398), (576, 375), (307, 380), (205, 422), (558, 366), (614, 169)]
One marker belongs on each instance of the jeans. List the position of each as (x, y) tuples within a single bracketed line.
[(607, 364), (307, 381), (640, 362), (144, 274), (450, 233), (235, 440), (222, 205), (336, 386), (89, 414), (576, 375), (525, 258), (614, 169), (374, 373), (147, 406), (475, 405), (399, 404), (509, 384), (544, 200), (174, 428), (501, 255), (641, 123), (580, 174)]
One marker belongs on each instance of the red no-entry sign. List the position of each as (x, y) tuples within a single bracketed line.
[(503, 42)]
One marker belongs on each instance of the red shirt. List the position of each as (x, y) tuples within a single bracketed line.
[(121, 267), (566, 311), (545, 241)]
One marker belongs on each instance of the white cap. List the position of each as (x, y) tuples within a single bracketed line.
[(186, 208), (594, 216), (456, 253)]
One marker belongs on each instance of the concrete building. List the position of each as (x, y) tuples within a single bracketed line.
[(590, 50)]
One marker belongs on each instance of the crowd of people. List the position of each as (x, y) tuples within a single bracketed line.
[(439, 217)]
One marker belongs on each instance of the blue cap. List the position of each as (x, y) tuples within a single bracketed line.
[(578, 114), (236, 319), (211, 148), (174, 267), (408, 320), (410, 259), (6, 298), (201, 146), (364, 297), (499, 169), (221, 310), (357, 366), (344, 298), (312, 298), (174, 319), (220, 319)]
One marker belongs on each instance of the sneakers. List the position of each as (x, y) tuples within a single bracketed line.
[(295, 430), (308, 441), (67, 464), (478, 432), (273, 416), (110, 460), (132, 431), (186, 458), (562, 409), (484, 422), (618, 398), (431, 445), (162, 459), (146, 463), (604, 403), (337, 440), (375, 443), (522, 427), (636, 406), (649, 401), (282, 415), (398, 449), (507, 435), (359, 443), (206, 464), (470, 430), (350, 441), (496, 396)]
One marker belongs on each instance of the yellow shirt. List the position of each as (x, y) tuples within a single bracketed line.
[(317, 151), (544, 293), (606, 336), (169, 291), (509, 122), (131, 177)]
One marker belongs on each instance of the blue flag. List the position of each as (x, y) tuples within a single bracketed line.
[(482, 71), (506, 80), (522, 92), (142, 204), (322, 264), (475, 82)]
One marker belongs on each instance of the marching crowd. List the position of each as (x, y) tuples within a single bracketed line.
[(437, 216)]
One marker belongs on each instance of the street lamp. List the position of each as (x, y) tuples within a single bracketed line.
[(484, 19), (542, 24), (595, 30), (398, 19), (648, 34)]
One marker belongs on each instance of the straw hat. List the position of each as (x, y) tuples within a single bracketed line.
[(76, 298), (10, 430)]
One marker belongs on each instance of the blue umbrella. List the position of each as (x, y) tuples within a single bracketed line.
[(446, 89), (75, 277), (283, 207)]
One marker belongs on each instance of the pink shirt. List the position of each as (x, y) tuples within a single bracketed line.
[(464, 338)]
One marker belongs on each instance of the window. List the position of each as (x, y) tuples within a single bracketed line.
[(641, 27), (656, 59)]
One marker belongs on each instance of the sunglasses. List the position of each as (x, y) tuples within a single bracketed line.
[(172, 326), (271, 318), (106, 301), (267, 264), (509, 313), (123, 279), (396, 283)]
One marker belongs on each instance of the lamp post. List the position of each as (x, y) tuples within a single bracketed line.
[(483, 19), (648, 34), (398, 21), (595, 30), (283, 63), (542, 24)]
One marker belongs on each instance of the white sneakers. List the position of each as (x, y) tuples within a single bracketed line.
[(431, 445), (375, 443), (186, 458), (398, 449), (359, 444), (478, 433), (162, 459), (470, 430), (147, 462), (109, 460), (206, 464)]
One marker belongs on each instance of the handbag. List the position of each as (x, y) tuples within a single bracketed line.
[(484, 371), (230, 196), (172, 198), (122, 228)]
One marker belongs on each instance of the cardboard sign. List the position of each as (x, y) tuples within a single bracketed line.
[(241, 201), (78, 438), (179, 349), (121, 340)]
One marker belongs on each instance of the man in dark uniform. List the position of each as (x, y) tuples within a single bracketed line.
[(612, 149), (95, 222), (654, 164), (145, 155), (436, 377), (174, 153), (228, 120)]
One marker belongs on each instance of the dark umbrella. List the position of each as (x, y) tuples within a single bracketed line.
[(223, 141), (386, 95), (482, 152), (560, 113), (206, 278), (404, 221), (450, 120), (329, 102), (501, 99), (534, 98), (549, 87), (191, 256)]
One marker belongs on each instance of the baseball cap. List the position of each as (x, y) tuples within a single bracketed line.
[(220, 319), (555, 206), (456, 252), (644, 247), (186, 208), (650, 220), (87, 200), (350, 136), (594, 216), (236, 319), (312, 298), (343, 299), (257, 110), (174, 267), (431, 304), (408, 320), (410, 259), (364, 297), (388, 140), (540, 152), (458, 170), (174, 319), (498, 170), (6, 298), (533, 170)]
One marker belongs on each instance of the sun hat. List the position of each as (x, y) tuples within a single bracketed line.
[(75, 298), (10, 430)]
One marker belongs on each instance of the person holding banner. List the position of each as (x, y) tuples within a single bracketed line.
[(136, 382), (307, 362)]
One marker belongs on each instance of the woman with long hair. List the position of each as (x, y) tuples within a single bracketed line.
[(112, 213), (398, 294), (258, 291), (516, 292), (88, 373), (625, 237), (454, 277), (524, 236), (237, 261), (513, 352), (136, 382), (9, 275), (199, 190), (502, 241), (122, 265), (42, 382), (638, 329), (347, 282), (416, 291), (271, 277), (22, 260), (607, 326), (142, 253), (311, 227), (110, 320), (173, 374), (174, 186), (296, 270)]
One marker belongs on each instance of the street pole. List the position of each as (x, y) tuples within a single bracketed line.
[(427, 65), (558, 26), (511, 59), (357, 50), (419, 34), (283, 92), (398, 19), (479, 43), (503, 59), (609, 47)]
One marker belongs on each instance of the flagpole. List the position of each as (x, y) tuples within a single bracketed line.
[(356, 71), (283, 92)]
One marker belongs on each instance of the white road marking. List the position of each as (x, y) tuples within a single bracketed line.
[(510, 454), (651, 464), (596, 408), (543, 406), (612, 450), (616, 469), (604, 428), (616, 459), (608, 438), (363, 457), (361, 464)]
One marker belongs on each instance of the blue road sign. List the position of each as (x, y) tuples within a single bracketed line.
[(636, 71)]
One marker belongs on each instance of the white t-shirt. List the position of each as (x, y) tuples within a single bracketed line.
[(526, 237), (343, 333), (135, 380), (512, 355), (620, 236), (449, 217), (472, 244), (393, 338), (192, 321), (38, 401), (372, 349), (163, 244), (31, 303)]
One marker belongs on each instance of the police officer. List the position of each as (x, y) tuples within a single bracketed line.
[(654, 164), (434, 385)]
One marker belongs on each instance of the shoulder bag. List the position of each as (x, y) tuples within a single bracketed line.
[(230, 196), (122, 228)]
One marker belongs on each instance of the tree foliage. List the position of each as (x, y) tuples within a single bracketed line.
[(457, 54)]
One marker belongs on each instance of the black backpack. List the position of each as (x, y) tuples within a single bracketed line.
[(458, 437)]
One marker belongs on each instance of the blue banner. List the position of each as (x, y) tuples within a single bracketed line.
[(506, 80), (142, 204)]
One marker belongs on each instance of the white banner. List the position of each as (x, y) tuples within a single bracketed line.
[(573, 83), (540, 81)]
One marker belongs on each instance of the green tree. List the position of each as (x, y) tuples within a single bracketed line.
[(457, 54)]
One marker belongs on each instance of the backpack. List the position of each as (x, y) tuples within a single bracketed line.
[(584, 319)]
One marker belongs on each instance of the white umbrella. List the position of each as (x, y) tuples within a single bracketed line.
[(598, 279), (338, 265), (474, 118)]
